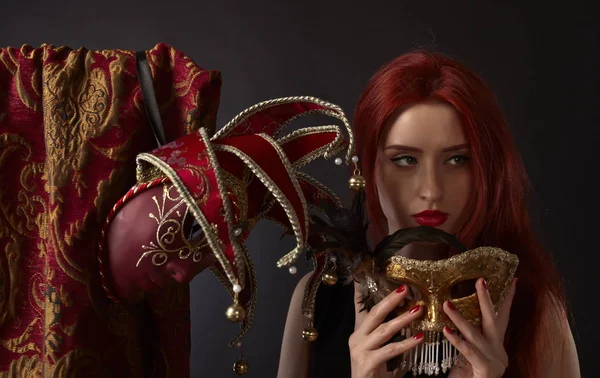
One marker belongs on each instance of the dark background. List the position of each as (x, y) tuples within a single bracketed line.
[(540, 59)]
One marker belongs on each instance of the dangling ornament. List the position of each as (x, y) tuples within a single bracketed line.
[(310, 333), (236, 312), (356, 182), (240, 367), (330, 277)]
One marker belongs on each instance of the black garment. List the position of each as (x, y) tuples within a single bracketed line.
[(334, 320)]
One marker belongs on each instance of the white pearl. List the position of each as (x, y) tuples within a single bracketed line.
[(338, 161), (237, 288), (239, 344), (333, 259), (293, 269), (237, 231), (355, 159)]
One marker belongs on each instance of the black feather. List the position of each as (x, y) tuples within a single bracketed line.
[(345, 231)]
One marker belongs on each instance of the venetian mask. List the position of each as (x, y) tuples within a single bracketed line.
[(434, 282)]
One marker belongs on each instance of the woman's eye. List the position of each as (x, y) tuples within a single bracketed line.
[(457, 160), (404, 161)]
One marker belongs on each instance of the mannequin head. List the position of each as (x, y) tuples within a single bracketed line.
[(152, 221)]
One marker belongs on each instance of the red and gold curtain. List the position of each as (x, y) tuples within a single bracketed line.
[(71, 124)]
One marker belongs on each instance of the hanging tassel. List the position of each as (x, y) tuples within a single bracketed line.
[(434, 355)]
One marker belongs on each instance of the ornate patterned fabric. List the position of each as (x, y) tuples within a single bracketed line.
[(71, 125)]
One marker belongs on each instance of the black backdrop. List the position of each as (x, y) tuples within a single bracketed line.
[(541, 61)]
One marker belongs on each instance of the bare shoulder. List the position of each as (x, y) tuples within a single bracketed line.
[(294, 357), (302, 283), (565, 363)]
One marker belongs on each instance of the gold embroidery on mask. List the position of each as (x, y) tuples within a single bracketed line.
[(170, 229)]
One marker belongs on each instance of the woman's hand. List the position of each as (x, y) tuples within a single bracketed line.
[(484, 350), (368, 356)]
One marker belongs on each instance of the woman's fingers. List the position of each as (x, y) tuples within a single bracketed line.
[(386, 353), (471, 334), (489, 325), (381, 310), (468, 350), (385, 331)]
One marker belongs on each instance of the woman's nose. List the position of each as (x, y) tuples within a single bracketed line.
[(430, 188)]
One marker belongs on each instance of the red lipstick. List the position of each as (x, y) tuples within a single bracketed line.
[(431, 218)]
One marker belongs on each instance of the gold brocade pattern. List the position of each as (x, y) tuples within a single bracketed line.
[(24, 367), (71, 364), (68, 143)]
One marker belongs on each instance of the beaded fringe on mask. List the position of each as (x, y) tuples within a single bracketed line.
[(434, 355)]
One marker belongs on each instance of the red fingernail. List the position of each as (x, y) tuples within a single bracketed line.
[(448, 329), (484, 284), (418, 336), (400, 289), (414, 309), (451, 306)]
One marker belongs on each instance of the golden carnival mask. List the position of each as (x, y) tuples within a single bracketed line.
[(380, 270), (432, 283)]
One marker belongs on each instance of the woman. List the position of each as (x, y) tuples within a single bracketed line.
[(436, 150)]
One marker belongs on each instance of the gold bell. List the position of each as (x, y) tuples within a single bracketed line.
[(329, 278), (240, 367), (310, 334), (356, 182), (235, 313)]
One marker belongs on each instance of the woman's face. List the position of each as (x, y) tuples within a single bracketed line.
[(423, 169)]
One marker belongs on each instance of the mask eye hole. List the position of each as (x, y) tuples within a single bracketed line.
[(463, 289), (195, 232)]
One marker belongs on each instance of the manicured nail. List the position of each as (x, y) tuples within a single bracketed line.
[(400, 289), (414, 309), (448, 329), (418, 336), (451, 306), (484, 284)]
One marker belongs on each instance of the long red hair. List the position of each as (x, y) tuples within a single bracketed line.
[(500, 215)]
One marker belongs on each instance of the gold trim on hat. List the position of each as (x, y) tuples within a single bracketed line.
[(237, 252), (277, 193), (331, 148), (332, 110)]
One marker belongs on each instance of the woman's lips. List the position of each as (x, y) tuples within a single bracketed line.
[(431, 218)]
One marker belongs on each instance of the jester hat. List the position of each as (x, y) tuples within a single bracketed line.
[(243, 173)]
